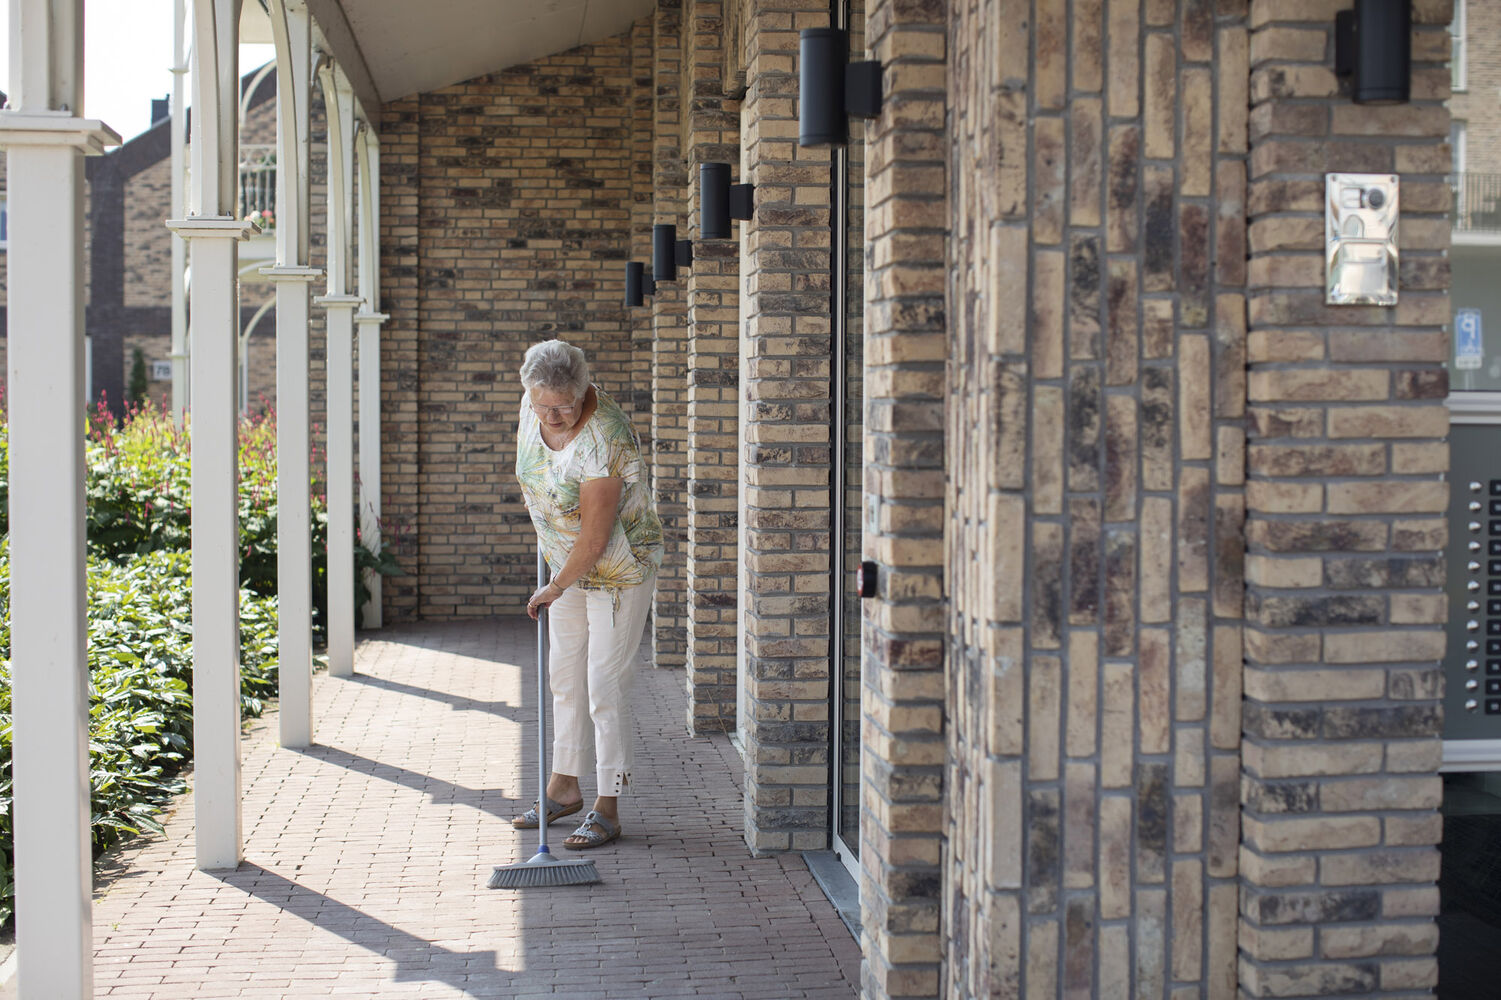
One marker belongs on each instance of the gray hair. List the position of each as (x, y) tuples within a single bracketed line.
[(557, 366)]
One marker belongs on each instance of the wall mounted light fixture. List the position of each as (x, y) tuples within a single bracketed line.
[(638, 284), (719, 201), (1373, 47), (683, 251), (831, 88), (664, 256)]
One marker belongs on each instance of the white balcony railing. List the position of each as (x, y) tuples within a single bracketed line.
[(1477, 203), (258, 185)]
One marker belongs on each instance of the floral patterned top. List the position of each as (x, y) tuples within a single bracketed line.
[(605, 447)]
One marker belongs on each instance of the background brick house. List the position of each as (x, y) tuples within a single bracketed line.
[(128, 269)]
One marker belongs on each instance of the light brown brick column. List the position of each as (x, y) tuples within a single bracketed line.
[(669, 408), (902, 756), (643, 140), (786, 446), (1345, 502), (1096, 442), (713, 288), (400, 452)]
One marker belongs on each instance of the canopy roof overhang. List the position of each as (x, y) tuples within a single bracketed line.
[(394, 48)]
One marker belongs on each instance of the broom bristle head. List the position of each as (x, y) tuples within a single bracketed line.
[(544, 873)]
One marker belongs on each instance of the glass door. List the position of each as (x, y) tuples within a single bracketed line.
[(1469, 884), (848, 436)]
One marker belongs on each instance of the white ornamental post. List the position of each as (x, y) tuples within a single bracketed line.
[(338, 100), (214, 233), (45, 140), (369, 321), (292, 30)]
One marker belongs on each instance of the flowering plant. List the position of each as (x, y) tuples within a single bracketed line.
[(264, 218)]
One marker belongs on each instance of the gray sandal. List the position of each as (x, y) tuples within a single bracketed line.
[(593, 838), (555, 810)]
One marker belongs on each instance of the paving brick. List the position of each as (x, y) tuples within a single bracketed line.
[(366, 857)]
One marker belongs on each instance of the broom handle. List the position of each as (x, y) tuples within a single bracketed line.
[(541, 708)]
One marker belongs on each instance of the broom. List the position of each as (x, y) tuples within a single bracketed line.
[(542, 869)]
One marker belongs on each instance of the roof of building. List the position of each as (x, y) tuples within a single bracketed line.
[(411, 48)]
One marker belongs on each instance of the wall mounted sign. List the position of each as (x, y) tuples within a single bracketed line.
[(1469, 344)]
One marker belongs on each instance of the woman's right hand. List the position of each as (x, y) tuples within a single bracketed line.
[(542, 598)]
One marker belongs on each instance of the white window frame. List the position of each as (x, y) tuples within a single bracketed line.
[(1458, 63)]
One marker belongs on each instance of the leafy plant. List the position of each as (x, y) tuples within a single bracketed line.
[(139, 520), (140, 655)]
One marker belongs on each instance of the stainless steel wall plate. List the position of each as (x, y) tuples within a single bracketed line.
[(1360, 239)]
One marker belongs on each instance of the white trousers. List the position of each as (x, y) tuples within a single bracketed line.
[(591, 665)]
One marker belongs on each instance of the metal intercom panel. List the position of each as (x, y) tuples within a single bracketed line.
[(1360, 239), (1472, 666)]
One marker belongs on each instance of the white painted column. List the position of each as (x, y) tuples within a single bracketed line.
[(369, 321), (45, 145), (338, 102), (292, 30), (178, 134), (213, 233)]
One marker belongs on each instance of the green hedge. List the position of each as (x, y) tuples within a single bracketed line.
[(140, 705), (139, 612)]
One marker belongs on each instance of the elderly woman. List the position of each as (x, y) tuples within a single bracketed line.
[(580, 467)]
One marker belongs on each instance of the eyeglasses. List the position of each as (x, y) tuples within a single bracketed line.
[(556, 411)]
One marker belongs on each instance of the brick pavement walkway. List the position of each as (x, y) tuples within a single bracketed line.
[(366, 858)]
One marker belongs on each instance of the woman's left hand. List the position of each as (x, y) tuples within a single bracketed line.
[(542, 598)]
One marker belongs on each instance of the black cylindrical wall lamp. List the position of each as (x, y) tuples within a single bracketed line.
[(714, 201), (719, 201), (664, 255), (820, 88), (1373, 47), (638, 284), (830, 88), (634, 272)]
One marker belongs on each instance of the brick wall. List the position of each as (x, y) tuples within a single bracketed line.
[(1475, 105), (1096, 499), (713, 290), (904, 783), (506, 205), (643, 139), (1345, 502), (785, 474), (401, 361), (147, 257), (669, 357)]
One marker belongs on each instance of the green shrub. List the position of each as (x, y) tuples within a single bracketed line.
[(139, 484), (139, 519), (140, 706)]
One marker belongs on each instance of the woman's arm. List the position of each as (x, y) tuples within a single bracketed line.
[(599, 502)]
